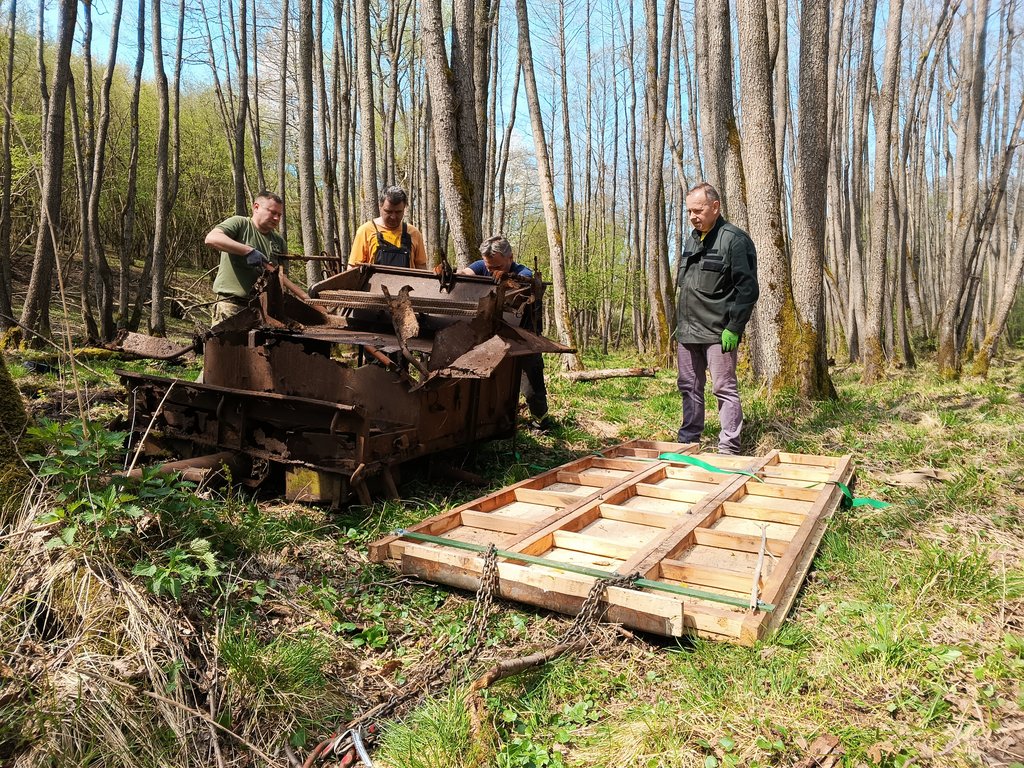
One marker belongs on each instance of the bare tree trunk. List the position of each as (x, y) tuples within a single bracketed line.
[(307, 178), (242, 114), (105, 282), (6, 300), (328, 178), (809, 195), (723, 164), (873, 352), (254, 108), (80, 151), (367, 119), (506, 145), (131, 191), (654, 232), (35, 315), (282, 121), (157, 323), (774, 310), (547, 191), (454, 131)]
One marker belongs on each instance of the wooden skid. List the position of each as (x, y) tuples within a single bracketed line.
[(628, 511)]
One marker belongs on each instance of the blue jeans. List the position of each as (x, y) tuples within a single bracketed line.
[(694, 362)]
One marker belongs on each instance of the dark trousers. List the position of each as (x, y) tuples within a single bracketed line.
[(532, 385)]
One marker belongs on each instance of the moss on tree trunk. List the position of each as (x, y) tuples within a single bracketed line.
[(12, 424)]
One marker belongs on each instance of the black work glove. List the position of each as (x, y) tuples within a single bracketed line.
[(255, 258)]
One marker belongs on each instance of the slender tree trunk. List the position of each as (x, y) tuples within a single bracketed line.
[(547, 190), (131, 190), (367, 119), (105, 278), (242, 113), (282, 121), (454, 131), (307, 178), (873, 352), (810, 192), (6, 299), (157, 323), (774, 311), (723, 164), (35, 315)]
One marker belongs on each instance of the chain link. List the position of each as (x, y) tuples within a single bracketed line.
[(477, 625), (591, 610), (474, 638)]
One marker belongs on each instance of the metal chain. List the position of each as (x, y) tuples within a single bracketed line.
[(587, 617), (478, 619), (477, 624), (590, 611)]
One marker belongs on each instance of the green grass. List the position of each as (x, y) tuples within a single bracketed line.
[(906, 641)]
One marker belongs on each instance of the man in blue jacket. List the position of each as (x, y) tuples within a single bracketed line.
[(716, 291), (497, 261)]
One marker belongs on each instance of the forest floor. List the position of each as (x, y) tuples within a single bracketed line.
[(156, 624)]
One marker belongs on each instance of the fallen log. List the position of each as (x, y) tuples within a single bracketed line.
[(608, 373)]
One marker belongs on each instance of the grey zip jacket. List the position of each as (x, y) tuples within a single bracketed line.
[(717, 284)]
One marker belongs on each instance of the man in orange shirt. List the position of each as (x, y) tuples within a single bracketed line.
[(387, 240)]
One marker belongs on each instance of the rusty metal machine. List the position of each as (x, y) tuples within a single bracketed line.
[(381, 366)]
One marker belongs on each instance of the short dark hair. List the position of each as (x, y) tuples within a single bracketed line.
[(266, 194), (710, 193), (394, 195)]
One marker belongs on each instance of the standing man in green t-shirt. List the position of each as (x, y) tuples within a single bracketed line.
[(248, 246)]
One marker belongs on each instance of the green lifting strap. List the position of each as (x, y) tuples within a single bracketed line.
[(596, 573), (682, 458), (854, 501)]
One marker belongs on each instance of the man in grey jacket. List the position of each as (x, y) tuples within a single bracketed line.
[(717, 288)]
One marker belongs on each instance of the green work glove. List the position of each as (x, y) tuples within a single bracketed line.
[(730, 341)]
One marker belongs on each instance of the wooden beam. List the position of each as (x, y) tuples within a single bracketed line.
[(740, 542), (763, 514), (809, 475), (755, 488), (827, 462), (547, 498), (592, 481), (564, 593), (684, 495), (707, 576), (639, 516), (491, 521), (591, 545)]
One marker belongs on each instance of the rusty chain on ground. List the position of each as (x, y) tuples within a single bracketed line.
[(476, 631)]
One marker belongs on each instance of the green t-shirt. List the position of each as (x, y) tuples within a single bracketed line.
[(234, 276)]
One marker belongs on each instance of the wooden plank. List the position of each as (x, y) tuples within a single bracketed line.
[(586, 479), (694, 473), (494, 522), (765, 514), (591, 544), (582, 512), (755, 488), (641, 516), (548, 498), (741, 542), (564, 592), (671, 494), (705, 576), (797, 473), (828, 462), (702, 514), (782, 586)]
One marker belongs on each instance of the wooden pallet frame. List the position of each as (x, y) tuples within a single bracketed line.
[(626, 511)]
